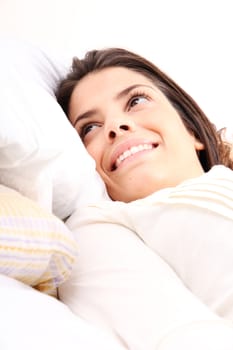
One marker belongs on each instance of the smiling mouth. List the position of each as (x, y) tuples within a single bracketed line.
[(132, 151)]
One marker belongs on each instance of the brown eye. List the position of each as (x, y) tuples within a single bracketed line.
[(86, 129), (137, 100)]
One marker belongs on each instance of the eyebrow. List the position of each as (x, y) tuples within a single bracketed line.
[(119, 96)]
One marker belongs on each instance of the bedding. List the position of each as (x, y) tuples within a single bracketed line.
[(41, 185), (41, 155), (35, 246), (30, 320)]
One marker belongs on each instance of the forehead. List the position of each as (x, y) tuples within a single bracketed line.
[(109, 81)]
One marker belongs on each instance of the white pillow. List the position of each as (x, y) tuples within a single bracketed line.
[(41, 154)]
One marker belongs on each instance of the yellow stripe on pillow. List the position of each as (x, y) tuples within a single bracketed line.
[(35, 246)]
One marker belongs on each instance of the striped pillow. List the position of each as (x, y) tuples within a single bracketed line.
[(35, 246)]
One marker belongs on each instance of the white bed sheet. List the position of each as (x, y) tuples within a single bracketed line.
[(32, 320)]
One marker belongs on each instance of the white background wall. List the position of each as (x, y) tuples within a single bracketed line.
[(191, 40)]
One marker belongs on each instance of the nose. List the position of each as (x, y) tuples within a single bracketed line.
[(117, 128)]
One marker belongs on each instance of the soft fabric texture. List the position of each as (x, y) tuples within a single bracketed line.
[(41, 155), (130, 284), (191, 228), (35, 246), (33, 320)]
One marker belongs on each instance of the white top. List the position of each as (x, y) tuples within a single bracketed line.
[(134, 257)]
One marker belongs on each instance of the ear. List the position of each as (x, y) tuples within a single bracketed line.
[(198, 145)]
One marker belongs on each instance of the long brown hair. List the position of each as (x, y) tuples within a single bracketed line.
[(216, 150)]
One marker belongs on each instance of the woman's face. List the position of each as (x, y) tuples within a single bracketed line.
[(135, 135)]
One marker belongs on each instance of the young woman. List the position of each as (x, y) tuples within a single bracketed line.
[(166, 169)]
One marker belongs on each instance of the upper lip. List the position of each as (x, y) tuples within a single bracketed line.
[(126, 145)]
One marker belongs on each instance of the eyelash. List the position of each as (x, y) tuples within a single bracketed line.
[(132, 97), (82, 130), (136, 94)]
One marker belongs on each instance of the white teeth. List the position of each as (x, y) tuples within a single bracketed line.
[(132, 150)]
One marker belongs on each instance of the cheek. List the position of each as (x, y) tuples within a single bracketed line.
[(177, 130), (160, 119), (95, 151)]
